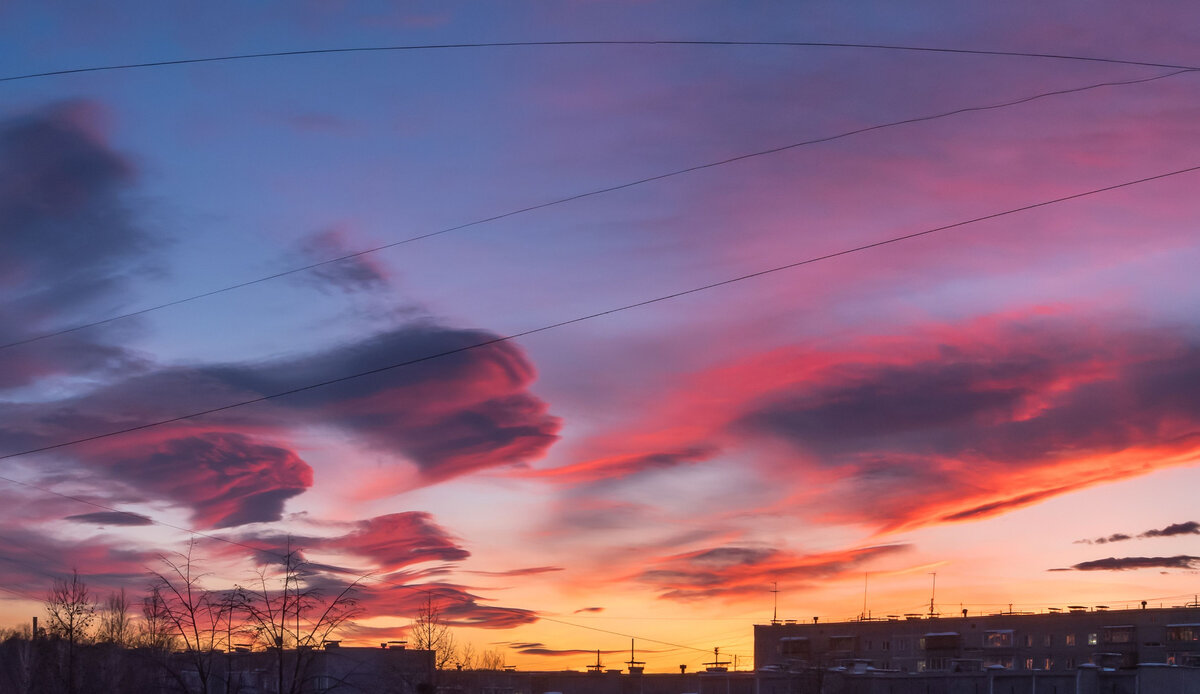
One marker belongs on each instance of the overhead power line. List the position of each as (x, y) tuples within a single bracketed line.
[(23, 595), (693, 290), (557, 44), (588, 194), (597, 314)]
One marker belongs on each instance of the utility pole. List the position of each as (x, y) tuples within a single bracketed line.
[(775, 610)]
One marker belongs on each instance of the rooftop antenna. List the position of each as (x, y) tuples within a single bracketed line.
[(932, 592), (775, 610), (597, 667), (864, 612), (717, 665), (635, 666)]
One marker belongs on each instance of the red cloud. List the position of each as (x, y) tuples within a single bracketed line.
[(555, 652), (946, 423), (227, 479), (456, 605), (388, 543), (396, 540), (33, 560), (615, 467), (732, 571), (443, 418), (529, 571)]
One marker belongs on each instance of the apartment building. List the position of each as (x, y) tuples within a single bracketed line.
[(1056, 640)]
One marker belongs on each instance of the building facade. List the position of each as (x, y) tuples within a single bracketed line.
[(1051, 641)]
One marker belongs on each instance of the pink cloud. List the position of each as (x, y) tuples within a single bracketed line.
[(226, 478), (943, 423), (453, 416), (735, 571)]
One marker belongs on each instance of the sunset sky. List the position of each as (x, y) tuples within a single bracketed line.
[(1012, 403)]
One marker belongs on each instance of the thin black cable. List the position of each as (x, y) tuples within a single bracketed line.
[(587, 194), (598, 314), (23, 594), (547, 44), (522, 334), (29, 548)]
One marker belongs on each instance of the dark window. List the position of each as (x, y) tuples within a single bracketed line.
[(843, 643), (940, 642), (1122, 634)]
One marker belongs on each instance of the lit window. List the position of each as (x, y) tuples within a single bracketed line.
[(1093, 639), (1048, 664), (998, 638), (1070, 639), (1029, 663)]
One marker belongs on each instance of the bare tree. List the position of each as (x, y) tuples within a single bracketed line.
[(69, 605), (430, 632), (116, 626), (155, 630), (285, 609), (19, 657), (465, 656), (491, 660), (193, 615)]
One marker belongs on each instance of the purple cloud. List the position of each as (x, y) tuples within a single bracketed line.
[(1181, 561), (111, 518), (68, 242)]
